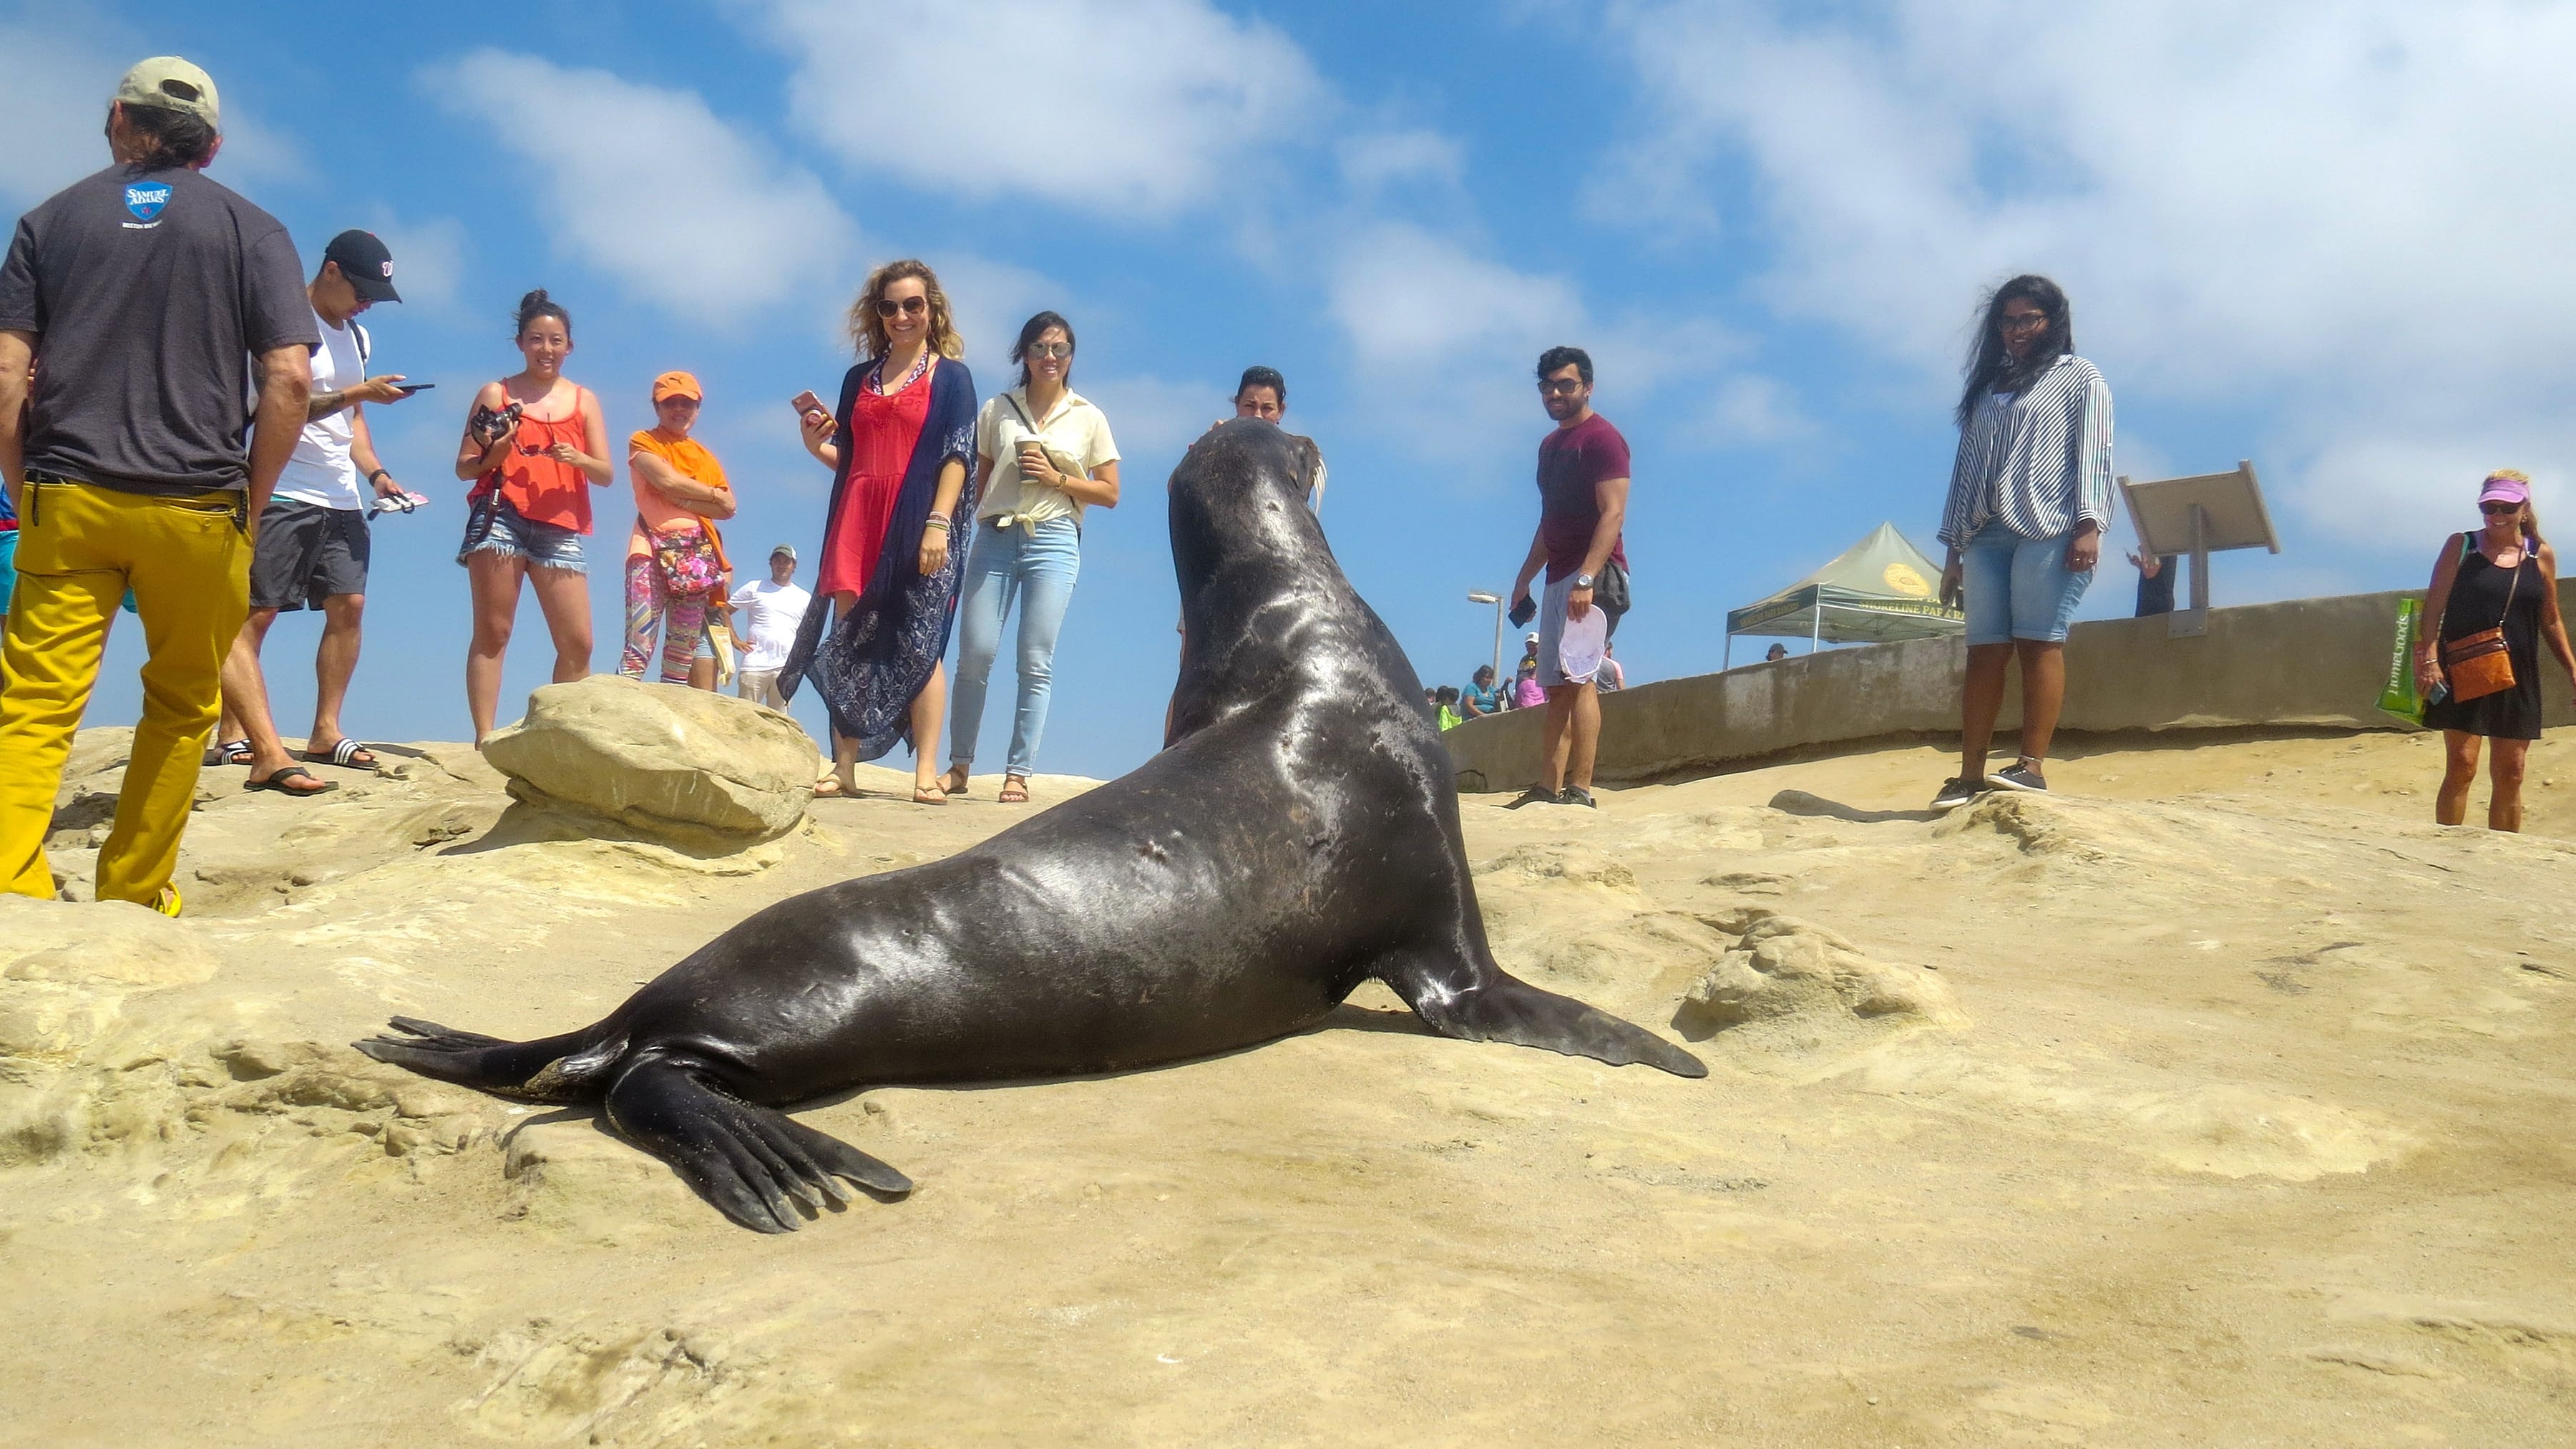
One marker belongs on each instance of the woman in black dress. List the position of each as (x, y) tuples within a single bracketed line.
[(2501, 574)]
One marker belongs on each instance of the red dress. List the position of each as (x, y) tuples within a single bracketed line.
[(883, 432)]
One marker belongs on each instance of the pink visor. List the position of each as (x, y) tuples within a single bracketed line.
[(2505, 490)]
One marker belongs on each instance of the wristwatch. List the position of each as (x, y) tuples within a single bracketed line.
[(1583, 581)]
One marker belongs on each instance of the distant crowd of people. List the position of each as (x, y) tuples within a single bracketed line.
[(140, 307)]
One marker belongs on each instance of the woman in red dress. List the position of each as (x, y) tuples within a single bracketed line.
[(901, 446)]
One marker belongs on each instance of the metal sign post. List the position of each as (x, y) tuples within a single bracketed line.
[(2200, 515)]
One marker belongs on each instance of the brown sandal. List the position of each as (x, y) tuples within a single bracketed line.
[(1015, 790), (954, 782), (929, 795)]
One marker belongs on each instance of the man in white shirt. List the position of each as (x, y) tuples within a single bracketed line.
[(771, 610), (312, 548)]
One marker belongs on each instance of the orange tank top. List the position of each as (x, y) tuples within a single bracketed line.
[(541, 489)]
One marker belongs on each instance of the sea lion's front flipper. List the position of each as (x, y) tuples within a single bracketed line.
[(1491, 1004), (755, 1164)]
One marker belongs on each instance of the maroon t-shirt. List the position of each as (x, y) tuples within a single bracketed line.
[(1572, 463)]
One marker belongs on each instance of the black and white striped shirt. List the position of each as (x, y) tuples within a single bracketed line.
[(2039, 461)]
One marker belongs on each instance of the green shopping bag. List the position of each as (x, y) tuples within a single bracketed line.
[(2398, 699)]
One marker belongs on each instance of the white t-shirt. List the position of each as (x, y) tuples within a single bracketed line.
[(320, 472), (1075, 435), (771, 614)]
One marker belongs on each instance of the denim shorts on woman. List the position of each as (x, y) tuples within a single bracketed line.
[(2018, 588), (543, 545)]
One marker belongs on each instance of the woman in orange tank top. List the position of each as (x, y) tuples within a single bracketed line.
[(533, 463)]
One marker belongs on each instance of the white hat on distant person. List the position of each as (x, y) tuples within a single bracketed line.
[(172, 84)]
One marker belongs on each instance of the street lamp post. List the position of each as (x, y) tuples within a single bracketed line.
[(1479, 596)]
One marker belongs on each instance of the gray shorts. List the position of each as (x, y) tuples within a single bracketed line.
[(1551, 635), (306, 553)]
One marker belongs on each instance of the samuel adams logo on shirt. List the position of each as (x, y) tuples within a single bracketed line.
[(145, 201)]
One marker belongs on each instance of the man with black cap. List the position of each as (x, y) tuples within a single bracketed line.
[(138, 308), (312, 548)]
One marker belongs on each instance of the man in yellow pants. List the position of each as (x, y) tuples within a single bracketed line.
[(132, 305)]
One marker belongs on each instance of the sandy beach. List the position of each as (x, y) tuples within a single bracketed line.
[(2218, 1098)]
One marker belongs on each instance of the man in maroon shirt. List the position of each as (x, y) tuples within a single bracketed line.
[(1583, 500)]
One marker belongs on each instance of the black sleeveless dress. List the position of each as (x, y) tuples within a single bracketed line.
[(2478, 601)]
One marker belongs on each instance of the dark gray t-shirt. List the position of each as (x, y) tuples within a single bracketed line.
[(148, 292)]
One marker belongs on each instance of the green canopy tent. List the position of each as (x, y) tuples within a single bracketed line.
[(1879, 590)]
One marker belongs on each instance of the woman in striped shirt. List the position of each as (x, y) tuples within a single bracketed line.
[(2030, 496)]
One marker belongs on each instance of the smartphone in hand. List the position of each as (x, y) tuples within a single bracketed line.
[(806, 404), (408, 388), (1524, 611)]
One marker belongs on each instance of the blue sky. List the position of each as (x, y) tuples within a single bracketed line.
[(2329, 238)]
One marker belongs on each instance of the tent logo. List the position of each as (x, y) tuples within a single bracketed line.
[(1903, 579)]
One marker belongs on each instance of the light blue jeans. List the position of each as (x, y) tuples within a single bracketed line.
[(2019, 588), (1036, 567)]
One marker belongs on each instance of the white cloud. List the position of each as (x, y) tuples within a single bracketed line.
[(429, 257), (1750, 410), (1104, 106), (2349, 220), (651, 187), (1380, 159), (56, 78), (1414, 302), (54, 88), (1155, 419), (1443, 341), (988, 300)]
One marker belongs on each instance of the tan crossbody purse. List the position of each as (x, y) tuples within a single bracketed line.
[(2477, 665)]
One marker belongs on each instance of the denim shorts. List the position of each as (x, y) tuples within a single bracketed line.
[(543, 545), (2018, 588)]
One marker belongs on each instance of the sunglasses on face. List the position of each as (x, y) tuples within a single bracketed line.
[(891, 306), (1038, 350), (2023, 321), (1563, 386), (2498, 510)]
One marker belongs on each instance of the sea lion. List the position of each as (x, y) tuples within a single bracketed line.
[(1298, 835)]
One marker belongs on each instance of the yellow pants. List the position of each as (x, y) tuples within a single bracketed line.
[(79, 549)]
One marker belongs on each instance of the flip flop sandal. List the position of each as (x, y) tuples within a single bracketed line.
[(1015, 791), (344, 753), (234, 752), (931, 796), (829, 788), (167, 903), (277, 782)]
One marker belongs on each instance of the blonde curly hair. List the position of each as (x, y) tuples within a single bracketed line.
[(867, 329)]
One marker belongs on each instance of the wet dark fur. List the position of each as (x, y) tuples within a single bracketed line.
[(1299, 836)]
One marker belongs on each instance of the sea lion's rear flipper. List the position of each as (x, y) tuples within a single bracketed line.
[(531, 1069), (1494, 1005), (755, 1164)]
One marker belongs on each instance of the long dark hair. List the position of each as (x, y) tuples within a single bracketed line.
[(1031, 331), (1990, 367), (170, 139)]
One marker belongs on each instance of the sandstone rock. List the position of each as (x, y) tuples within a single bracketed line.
[(112, 943), (677, 766), (1790, 986)]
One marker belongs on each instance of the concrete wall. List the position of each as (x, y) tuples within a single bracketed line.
[(2307, 662)]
